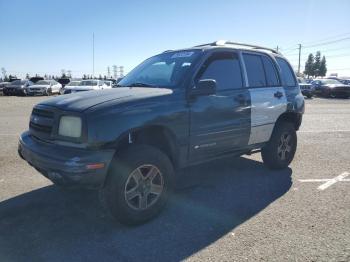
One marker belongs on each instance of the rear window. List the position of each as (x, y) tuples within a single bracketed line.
[(270, 71), (287, 72), (255, 70)]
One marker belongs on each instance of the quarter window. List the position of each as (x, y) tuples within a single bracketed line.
[(287, 72), (255, 70), (270, 71), (225, 69)]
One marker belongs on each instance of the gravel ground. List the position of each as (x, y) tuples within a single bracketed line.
[(228, 210)]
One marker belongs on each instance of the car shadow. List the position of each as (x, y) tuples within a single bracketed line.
[(49, 224)]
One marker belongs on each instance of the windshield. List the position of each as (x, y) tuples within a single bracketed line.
[(330, 81), (88, 83), (164, 70), (42, 82), (74, 83), (16, 82), (302, 81)]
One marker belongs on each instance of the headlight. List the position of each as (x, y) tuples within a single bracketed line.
[(70, 126)]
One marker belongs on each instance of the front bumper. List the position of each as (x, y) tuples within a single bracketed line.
[(36, 92), (65, 165), (14, 91)]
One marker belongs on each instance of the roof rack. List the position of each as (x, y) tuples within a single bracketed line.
[(224, 42)]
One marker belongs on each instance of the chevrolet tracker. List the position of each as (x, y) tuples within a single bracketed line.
[(175, 109)]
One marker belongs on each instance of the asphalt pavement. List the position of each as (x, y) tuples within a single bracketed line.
[(227, 210)]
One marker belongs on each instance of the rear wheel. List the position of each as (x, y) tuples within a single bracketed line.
[(138, 184), (280, 150)]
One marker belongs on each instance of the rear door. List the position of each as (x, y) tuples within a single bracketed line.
[(268, 98), (220, 123)]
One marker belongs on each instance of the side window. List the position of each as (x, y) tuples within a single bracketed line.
[(255, 70), (225, 69), (270, 71), (287, 72)]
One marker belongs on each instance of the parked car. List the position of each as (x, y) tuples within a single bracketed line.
[(72, 84), (175, 109), (306, 89), (2, 85), (345, 81), (17, 87), (87, 85), (44, 87), (330, 88)]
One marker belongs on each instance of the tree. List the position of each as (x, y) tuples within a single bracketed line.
[(317, 64), (309, 65), (323, 67), (100, 77)]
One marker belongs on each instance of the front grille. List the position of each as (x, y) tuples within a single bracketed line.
[(41, 122), (43, 113), (40, 128)]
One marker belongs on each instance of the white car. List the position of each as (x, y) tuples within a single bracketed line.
[(44, 87), (87, 85), (71, 85)]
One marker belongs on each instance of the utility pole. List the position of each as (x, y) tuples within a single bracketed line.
[(108, 72), (93, 55), (299, 59), (115, 71), (277, 48)]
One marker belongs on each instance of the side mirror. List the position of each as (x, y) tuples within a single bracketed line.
[(204, 87)]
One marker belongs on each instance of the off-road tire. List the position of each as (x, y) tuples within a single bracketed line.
[(121, 169), (271, 153)]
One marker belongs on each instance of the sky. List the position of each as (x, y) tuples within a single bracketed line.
[(44, 37)]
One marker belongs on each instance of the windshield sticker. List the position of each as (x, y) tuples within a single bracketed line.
[(182, 54)]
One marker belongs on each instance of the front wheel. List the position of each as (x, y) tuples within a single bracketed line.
[(280, 150), (138, 185)]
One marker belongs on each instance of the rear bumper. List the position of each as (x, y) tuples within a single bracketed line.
[(65, 165)]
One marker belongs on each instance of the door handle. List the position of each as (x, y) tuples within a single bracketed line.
[(278, 94)]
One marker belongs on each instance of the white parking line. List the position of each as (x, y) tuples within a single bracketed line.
[(328, 181), (333, 181), (324, 131)]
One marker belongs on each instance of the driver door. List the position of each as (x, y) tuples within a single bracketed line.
[(220, 123)]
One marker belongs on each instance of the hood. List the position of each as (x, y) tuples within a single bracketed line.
[(84, 100)]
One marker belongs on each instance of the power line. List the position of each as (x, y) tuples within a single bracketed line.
[(328, 43), (329, 37)]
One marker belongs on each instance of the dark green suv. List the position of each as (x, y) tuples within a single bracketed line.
[(175, 109)]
